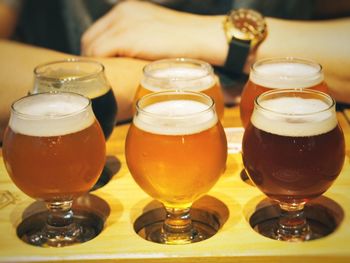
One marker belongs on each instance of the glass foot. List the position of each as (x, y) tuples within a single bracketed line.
[(149, 226), (87, 226), (320, 219)]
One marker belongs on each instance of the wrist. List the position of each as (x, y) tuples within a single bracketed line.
[(244, 29), (210, 44)]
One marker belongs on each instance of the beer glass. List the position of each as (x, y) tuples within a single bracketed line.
[(279, 73), (82, 76), (176, 150), (86, 77), (181, 74), (54, 151), (293, 150)]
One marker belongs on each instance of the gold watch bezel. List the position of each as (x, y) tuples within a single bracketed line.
[(245, 25)]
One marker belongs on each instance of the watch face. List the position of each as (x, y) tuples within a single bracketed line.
[(246, 25)]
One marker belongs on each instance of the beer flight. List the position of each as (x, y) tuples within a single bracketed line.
[(176, 148)]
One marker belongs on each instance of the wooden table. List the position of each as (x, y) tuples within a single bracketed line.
[(121, 202)]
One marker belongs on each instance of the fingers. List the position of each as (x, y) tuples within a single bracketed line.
[(105, 45), (121, 18), (99, 28)]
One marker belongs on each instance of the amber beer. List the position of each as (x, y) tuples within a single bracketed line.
[(293, 149), (53, 148), (181, 74), (176, 148), (85, 77), (279, 73)]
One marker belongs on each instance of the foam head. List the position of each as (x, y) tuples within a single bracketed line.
[(178, 78), (294, 116), (176, 117), (286, 74), (51, 114)]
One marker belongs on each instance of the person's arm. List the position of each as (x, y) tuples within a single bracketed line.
[(17, 62), (144, 30), (325, 41), (148, 31)]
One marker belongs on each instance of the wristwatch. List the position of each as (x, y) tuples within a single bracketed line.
[(245, 29)]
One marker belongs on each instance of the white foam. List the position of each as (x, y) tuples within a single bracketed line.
[(176, 117), (305, 117), (51, 115), (287, 75), (178, 78)]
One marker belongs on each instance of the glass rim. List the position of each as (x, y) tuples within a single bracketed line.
[(181, 60), (100, 68), (258, 105), (56, 117), (167, 93), (288, 59)]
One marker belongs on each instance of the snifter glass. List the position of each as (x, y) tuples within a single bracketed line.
[(293, 150), (176, 150), (86, 77), (181, 74), (54, 151), (279, 73)]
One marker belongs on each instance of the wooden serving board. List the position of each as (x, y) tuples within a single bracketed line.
[(120, 202)]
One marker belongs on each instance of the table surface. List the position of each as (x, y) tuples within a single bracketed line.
[(121, 202)]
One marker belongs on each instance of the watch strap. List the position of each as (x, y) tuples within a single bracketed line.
[(238, 53)]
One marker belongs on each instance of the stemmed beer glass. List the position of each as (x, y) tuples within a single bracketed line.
[(54, 150), (176, 150), (279, 73), (181, 74), (293, 150), (275, 74), (86, 77)]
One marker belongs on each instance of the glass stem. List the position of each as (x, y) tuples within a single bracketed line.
[(292, 224), (177, 227), (60, 227)]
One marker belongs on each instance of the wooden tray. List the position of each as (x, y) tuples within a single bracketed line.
[(120, 202)]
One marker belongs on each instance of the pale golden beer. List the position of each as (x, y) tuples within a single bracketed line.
[(279, 73), (50, 153), (176, 149), (181, 74), (54, 150)]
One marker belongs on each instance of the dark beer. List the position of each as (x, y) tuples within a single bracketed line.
[(84, 77), (105, 109), (293, 149)]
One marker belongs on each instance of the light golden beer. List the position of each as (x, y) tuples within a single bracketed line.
[(279, 73), (54, 148), (181, 74), (176, 148)]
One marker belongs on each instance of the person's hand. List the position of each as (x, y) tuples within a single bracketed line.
[(148, 31)]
